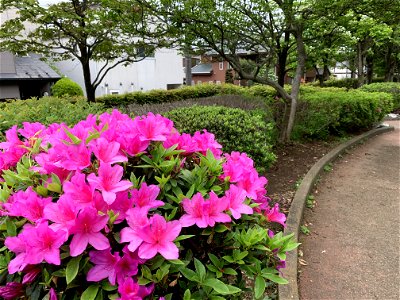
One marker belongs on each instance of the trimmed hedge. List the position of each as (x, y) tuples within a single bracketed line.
[(323, 113), (66, 87), (234, 128), (46, 110), (392, 88)]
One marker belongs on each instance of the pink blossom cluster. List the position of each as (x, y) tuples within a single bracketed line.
[(88, 162)]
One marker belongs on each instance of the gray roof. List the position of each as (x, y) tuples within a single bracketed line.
[(202, 69), (26, 68)]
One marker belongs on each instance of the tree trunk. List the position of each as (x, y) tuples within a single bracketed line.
[(282, 59), (188, 69), (90, 90), (360, 64), (370, 68), (301, 62), (389, 64)]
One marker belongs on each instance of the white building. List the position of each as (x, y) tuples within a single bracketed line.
[(162, 71)]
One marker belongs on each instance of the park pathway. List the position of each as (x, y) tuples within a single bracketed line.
[(354, 246)]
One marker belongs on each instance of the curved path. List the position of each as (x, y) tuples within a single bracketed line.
[(354, 246)]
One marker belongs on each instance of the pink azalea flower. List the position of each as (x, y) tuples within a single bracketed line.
[(130, 290), (145, 197), (43, 244), (131, 144), (79, 191), (63, 213), (104, 266), (32, 129), (137, 220), (206, 141), (153, 127), (236, 198), (18, 245), (75, 157), (204, 213), (127, 266), (12, 290), (252, 184), (273, 215), (109, 182), (86, 231), (158, 237), (27, 204), (236, 165), (31, 272), (195, 212), (52, 294), (121, 205), (107, 152)]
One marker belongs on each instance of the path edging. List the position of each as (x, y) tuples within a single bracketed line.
[(290, 290)]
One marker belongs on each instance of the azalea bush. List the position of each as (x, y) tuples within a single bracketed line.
[(121, 208)]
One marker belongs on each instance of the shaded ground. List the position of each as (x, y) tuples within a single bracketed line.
[(293, 162), (353, 249)]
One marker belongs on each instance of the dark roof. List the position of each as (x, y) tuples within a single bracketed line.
[(26, 68), (202, 69)]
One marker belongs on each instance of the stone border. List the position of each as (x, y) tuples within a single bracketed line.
[(290, 290)]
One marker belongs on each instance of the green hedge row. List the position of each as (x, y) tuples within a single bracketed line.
[(234, 128), (392, 88), (323, 113), (46, 110)]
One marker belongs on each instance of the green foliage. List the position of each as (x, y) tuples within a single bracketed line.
[(235, 129), (165, 96), (46, 110), (392, 88), (348, 83), (322, 113), (66, 87), (305, 230)]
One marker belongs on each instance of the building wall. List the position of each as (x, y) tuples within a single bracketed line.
[(217, 76), (151, 73), (9, 91)]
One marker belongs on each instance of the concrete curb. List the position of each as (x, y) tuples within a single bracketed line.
[(290, 290)]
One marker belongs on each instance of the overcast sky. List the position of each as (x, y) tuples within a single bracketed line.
[(47, 2)]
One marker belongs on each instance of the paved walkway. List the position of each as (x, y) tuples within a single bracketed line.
[(354, 246)]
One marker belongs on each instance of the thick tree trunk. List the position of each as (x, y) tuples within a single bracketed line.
[(360, 64), (301, 62), (389, 64), (282, 60), (90, 90)]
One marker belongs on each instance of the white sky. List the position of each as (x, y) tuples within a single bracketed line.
[(47, 2)]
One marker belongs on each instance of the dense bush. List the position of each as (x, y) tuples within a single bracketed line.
[(46, 110), (235, 128), (233, 101), (132, 209), (66, 87), (336, 112), (392, 88), (348, 83)]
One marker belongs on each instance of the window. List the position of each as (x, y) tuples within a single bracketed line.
[(114, 92), (221, 65)]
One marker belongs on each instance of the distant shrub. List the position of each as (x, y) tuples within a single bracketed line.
[(234, 128), (66, 87), (392, 88), (46, 110), (336, 112), (348, 83)]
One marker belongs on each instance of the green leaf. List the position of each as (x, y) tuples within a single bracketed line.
[(230, 271), (221, 287), (187, 295), (189, 274), (259, 287), (90, 293), (200, 269), (72, 269), (54, 187), (220, 228), (183, 237), (275, 278), (73, 138), (11, 228)]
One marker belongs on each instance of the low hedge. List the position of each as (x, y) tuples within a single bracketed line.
[(66, 87), (46, 110), (234, 128), (392, 88), (338, 112)]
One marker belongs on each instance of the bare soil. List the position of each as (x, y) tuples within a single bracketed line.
[(293, 162)]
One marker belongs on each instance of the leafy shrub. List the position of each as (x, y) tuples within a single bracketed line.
[(46, 110), (348, 83), (66, 87), (392, 88), (116, 207), (335, 112), (236, 129), (233, 101)]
